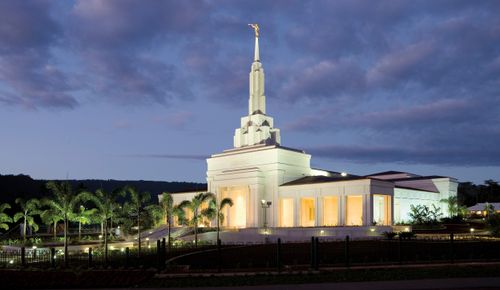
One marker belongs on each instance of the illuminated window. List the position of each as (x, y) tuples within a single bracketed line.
[(307, 212), (330, 211), (236, 216), (287, 214), (382, 209), (354, 210)]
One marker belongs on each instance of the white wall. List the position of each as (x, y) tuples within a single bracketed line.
[(262, 169), (403, 198)]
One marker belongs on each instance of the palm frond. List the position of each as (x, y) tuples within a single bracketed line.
[(18, 216), (4, 206), (226, 202)]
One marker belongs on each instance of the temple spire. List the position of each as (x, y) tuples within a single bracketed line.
[(256, 54), (257, 127), (255, 27)]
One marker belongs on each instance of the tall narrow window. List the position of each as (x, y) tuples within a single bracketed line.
[(381, 209), (330, 211), (307, 212), (354, 210), (287, 214)]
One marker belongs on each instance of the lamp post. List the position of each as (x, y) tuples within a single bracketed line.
[(265, 205)]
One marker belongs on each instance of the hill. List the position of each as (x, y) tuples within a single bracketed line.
[(14, 186)]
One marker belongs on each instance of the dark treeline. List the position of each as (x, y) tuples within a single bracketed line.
[(470, 193), (14, 186)]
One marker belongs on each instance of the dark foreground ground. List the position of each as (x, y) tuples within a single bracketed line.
[(60, 279), (450, 283)]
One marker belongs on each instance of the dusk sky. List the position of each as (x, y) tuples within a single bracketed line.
[(149, 89)]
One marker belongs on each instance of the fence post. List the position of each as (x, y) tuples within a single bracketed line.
[(316, 253), (158, 253), (452, 251), (90, 258), (53, 257), (163, 252), (127, 257), (278, 255), (400, 257), (23, 256), (219, 256), (312, 253), (346, 251)]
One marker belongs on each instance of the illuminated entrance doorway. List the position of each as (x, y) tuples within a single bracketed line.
[(236, 216)]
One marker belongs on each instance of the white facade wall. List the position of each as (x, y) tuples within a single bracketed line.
[(260, 168), (339, 189), (404, 197)]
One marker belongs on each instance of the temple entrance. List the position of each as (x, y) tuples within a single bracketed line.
[(236, 216)]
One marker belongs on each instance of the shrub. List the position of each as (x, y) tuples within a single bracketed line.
[(423, 215), (458, 219), (389, 235), (494, 224), (407, 235)]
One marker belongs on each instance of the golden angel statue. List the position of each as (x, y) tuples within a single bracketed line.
[(255, 27)]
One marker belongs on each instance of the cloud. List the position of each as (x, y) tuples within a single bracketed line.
[(325, 79), (27, 34), (178, 120), (416, 155), (169, 156)]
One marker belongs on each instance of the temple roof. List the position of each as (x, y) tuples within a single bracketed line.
[(323, 179)]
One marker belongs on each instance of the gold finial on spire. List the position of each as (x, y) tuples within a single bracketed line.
[(255, 27)]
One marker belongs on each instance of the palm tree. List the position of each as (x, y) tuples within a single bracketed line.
[(489, 209), (28, 211), (107, 205), (4, 218), (166, 210), (452, 204), (136, 208), (83, 216), (63, 203), (51, 217), (194, 205), (217, 209)]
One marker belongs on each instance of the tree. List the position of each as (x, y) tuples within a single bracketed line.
[(63, 203), (107, 205), (29, 210), (136, 207), (218, 208), (489, 209), (452, 204), (194, 205), (4, 218), (166, 210), (422, 214), (83, 216), (51, 217)]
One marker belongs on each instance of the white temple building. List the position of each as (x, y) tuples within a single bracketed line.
[(274, 187)]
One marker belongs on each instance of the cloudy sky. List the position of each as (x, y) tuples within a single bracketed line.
[(148, 89)]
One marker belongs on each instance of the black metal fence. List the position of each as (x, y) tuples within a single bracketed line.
[(315, 254)]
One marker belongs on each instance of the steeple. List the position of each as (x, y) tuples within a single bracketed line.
[(256, 53), (257, 127), (257, 100)]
